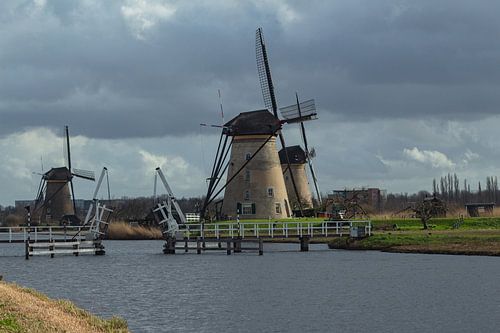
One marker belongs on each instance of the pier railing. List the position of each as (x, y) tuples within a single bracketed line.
[(274, 229), (43, 233)]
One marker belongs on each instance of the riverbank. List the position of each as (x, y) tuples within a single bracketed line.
[(26, 310), (463, 242)]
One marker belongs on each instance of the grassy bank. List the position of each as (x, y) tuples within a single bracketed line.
[(26, 310), (469, 223), (467, 242)]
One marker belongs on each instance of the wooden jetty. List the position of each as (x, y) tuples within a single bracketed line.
[(51, 240), (233, 236), (43, 233)]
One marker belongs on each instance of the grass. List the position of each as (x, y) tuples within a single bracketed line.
[(483, 242), (26, 310), (470, 223), (8, 323)]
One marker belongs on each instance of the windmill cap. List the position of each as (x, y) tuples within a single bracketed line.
[(61, 173), (253, 123), (296, 155)]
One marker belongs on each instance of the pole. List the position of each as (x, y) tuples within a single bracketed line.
[(27, 246)]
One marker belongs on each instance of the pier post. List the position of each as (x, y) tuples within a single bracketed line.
[(237, 244), (77, 250), (51, 249), (27, 249), (169, 247), (261, 246), (304, 243), (228, 248), (99, 248), (198, 245), (186, 248)]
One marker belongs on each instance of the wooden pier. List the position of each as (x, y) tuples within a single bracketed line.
[(200, 245), (52, 248), (232, 236), (43, 233)]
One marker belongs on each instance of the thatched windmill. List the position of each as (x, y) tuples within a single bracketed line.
[(55, 201)]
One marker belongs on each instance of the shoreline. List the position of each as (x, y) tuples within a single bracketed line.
[(471, 243)]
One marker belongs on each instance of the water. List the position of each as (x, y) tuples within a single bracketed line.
[(281, 291)]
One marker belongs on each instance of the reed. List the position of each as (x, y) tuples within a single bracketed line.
[(124, 231)]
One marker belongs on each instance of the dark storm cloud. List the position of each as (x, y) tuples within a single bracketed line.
[(89, 65)]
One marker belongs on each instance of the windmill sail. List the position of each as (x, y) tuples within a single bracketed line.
[(299, 113), (266, 84), (85, 174), (264, 71)]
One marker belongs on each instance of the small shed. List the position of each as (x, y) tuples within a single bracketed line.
[(478, 209)]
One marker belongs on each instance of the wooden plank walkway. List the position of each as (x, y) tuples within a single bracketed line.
[(230, 236), (43, 233)]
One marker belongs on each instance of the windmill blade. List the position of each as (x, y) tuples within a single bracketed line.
[(264, 71), (73, 196), (85, 174), (266, 84), (67, 150), (294, 114)]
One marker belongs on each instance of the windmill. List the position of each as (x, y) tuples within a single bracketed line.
[(300, 113), (255, 186), (55, 201)]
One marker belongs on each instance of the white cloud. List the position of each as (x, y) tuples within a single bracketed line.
[(431, 157), (142, 15)]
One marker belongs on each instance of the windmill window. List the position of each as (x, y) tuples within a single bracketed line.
[(247, 175), (278, 208), (248, 156), (248, 208), (247, 195), (270, 192)]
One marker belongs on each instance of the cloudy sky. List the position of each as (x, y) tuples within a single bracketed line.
[(406, 90)]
